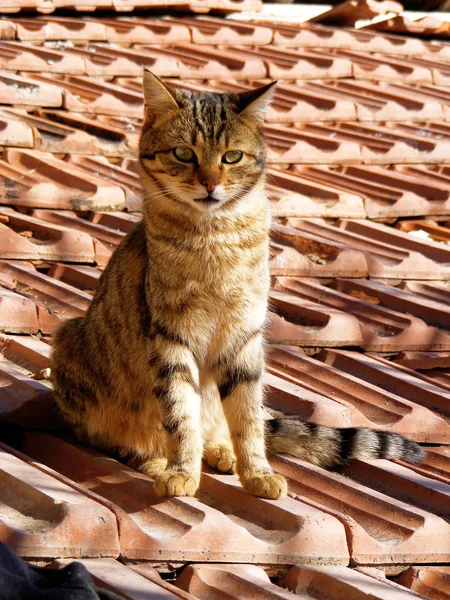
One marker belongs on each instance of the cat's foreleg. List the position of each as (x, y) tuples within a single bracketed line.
[(241, 391), (217, 447), (177, 391)]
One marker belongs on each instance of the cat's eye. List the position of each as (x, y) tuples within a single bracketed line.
[(232, 156), (184, 154)]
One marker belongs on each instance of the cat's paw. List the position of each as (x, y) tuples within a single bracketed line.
[(175, 483), (220, 457), (265, 485)]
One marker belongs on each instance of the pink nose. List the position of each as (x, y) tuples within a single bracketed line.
[(209, 180), (209, 185)]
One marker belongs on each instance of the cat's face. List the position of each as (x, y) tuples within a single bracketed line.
[(201, 150)]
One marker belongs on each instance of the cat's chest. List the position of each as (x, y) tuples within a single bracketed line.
[(211, 292), (213, 320)]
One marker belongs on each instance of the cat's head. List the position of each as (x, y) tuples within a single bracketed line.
[(201, 150)]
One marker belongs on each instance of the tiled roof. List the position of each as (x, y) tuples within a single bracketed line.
[(359, 174), (125, 6)]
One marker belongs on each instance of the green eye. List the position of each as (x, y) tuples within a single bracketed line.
[(232, 156), (184, 154)]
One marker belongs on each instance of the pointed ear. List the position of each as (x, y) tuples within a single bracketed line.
[(253, 104), (159, 97)]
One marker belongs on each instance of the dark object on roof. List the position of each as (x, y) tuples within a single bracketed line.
[(20, 581)]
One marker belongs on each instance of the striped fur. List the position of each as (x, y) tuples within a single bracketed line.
[(329, 448), (166, 367)]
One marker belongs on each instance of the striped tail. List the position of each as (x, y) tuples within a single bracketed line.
[(329, 447)]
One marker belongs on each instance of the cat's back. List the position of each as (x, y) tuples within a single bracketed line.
[(90, 354)]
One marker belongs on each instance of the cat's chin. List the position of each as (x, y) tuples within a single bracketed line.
[(208, 200), (206, 203)]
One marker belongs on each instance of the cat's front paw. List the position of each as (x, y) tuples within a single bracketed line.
[(265, 485), (175, 483), (220, 457)]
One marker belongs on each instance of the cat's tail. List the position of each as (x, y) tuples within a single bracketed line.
[(329, 447)]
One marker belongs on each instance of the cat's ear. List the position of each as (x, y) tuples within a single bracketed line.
[(253, 104), (159, 97)]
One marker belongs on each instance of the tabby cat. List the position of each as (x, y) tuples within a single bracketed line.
[(167, 364)]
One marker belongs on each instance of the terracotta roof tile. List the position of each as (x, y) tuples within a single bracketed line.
[(408, 530), (129, 581), (181, 529), (27, 352), (8, 30), (236, 581), (396, 379), (146, 31), (390, 253), (296, 101), (375, 101), (429, 582), (15, 133), (27, 238), (358, 131), (48, 6), (44, 28), (293, 195), (302, 146), (387, 68), (434, 376), (433, 312), (37, 179), (63, 132), (83, 94), (384, 143), (423, 361), (110, 238), (402, 483), (338, 582), (387, 193), (414, 24), (22, 395), (18, 313), (82, 277), (301, 64), (436, 465), (56, 300), (211, 30), (121, 29), (14, 56), (429, 230), (15, 89), (299, 254), (343, 391), (319, 36), (285, 395), (384, 101), (42, 517), (350, 12), (209, 62), (301, 323), (381, 328)]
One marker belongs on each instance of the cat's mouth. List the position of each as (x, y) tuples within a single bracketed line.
[(209, 199)]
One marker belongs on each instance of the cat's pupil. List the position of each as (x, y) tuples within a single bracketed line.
[(184, 154), (232, 156)]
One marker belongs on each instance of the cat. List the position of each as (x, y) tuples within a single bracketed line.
[(166, 366)]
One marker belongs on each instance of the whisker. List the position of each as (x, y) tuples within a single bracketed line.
[(271, 177)]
